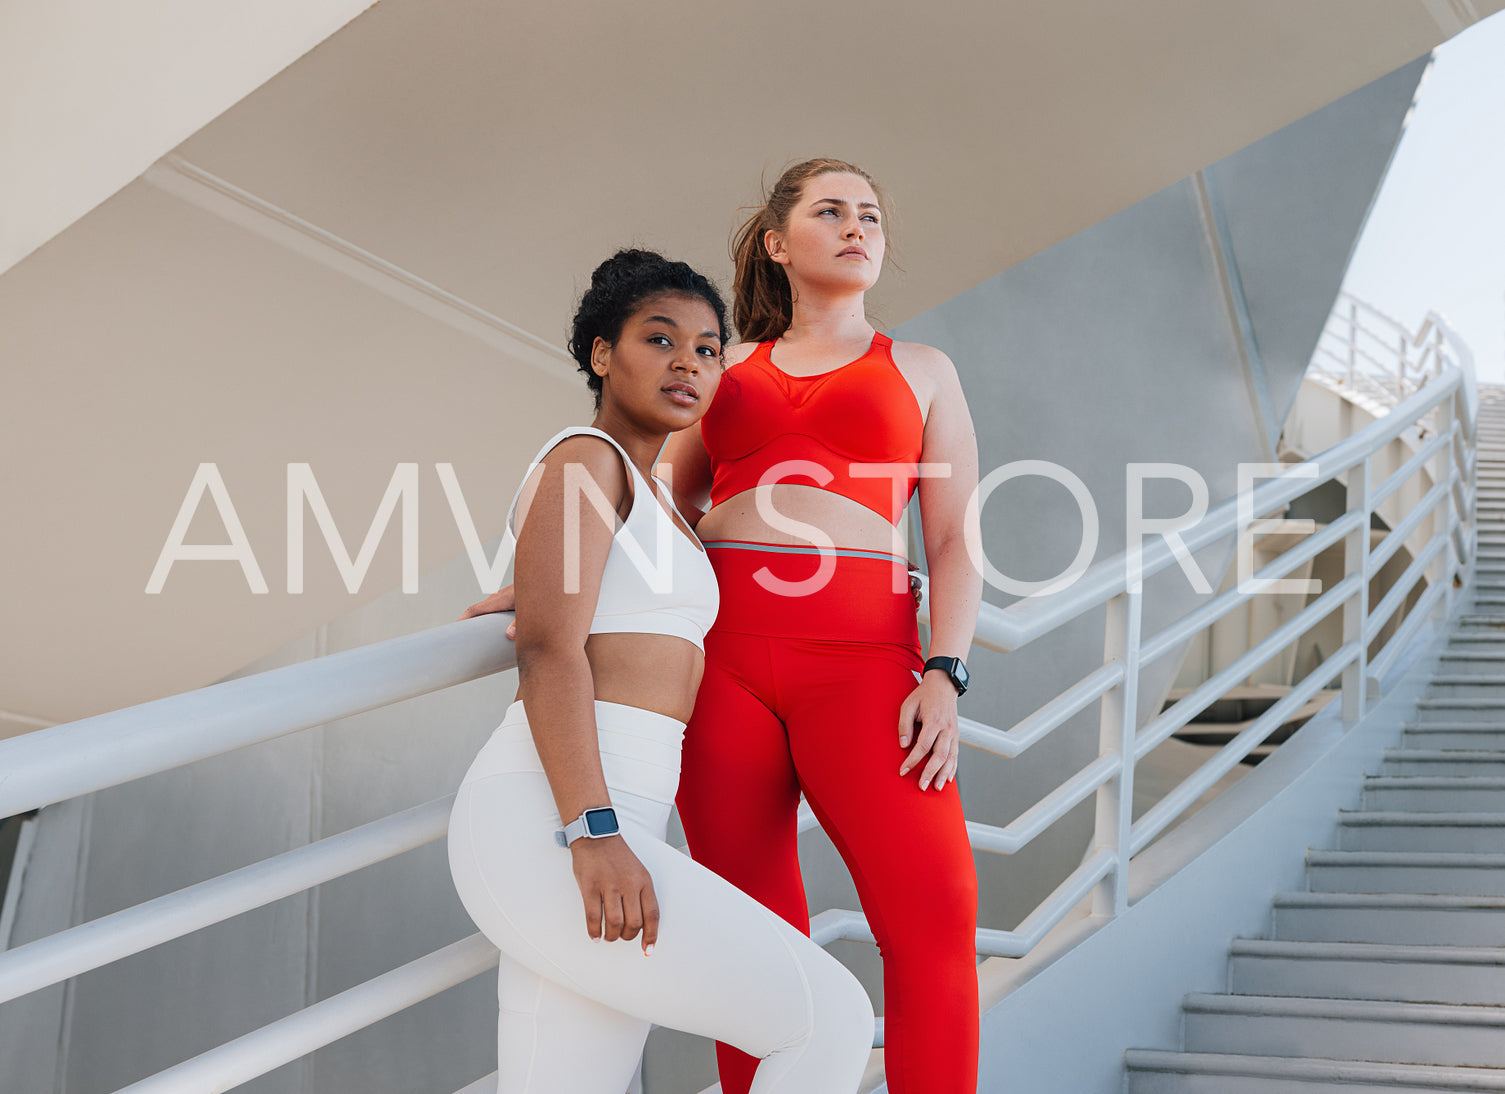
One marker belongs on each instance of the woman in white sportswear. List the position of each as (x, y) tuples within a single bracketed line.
[(556, 841)]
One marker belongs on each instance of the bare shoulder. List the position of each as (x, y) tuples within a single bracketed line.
[(924, 359), (739, 353), (600, 459)]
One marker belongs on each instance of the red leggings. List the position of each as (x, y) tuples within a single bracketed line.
[(802, 693)]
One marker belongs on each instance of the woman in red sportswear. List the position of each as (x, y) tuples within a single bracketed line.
[(813, 679)]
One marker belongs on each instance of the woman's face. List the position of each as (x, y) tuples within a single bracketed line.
[(665, 366), (834, 237)]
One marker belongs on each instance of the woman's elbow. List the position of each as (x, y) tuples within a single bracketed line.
[(545, 651)]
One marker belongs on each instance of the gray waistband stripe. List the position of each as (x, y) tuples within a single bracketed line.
[(796, 549)]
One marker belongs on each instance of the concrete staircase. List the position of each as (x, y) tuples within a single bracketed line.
[(1388, 973)]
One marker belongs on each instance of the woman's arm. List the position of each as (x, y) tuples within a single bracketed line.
[(686, 466), (955, 584), (555, 682)]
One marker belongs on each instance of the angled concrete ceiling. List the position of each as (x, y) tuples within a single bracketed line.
[(371, 258), (499, 150)]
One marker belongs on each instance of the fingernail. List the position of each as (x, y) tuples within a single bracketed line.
[(596, 938), (648, 950), (903, 742)]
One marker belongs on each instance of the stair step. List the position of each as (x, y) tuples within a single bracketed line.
[(1479, 833), (1465, 709), (1358, 970), (1379, 1031), (1427, 793), (1460, 872), (1443, 761), (1411, 919), (1152, 1071), (1456, 685), (1465, 736)]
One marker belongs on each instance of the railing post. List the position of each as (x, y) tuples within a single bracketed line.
[(1447, 561), (1117, 726), (1356, 607)]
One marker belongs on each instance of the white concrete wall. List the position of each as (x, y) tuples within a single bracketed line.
[(96, 91)]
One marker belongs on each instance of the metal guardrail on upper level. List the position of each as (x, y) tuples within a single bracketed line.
[(1373, 359), (54, 764)]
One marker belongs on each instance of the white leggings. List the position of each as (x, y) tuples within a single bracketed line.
[(575, 1013)]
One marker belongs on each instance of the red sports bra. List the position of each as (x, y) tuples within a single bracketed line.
[(861, 413)]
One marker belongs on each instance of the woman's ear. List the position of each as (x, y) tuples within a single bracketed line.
[(600, 356), (773, 243)]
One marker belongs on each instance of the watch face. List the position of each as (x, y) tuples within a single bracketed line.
[(600, 822), (962, 675)]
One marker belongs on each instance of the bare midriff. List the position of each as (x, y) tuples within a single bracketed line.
[(657, 672), (848, 523)]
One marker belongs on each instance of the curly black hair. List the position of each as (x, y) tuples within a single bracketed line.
[(617, 287)]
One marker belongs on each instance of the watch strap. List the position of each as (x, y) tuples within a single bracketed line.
[(579, 828), (954, 668)]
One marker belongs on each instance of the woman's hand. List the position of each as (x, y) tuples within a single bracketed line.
[(928, 718), (915, 588), (617, 890), (503, 600)]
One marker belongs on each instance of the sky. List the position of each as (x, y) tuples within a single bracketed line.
[(1435, 238)]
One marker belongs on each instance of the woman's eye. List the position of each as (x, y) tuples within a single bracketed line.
[(660, 339), (871, 217), (710, 351), (828, 210)]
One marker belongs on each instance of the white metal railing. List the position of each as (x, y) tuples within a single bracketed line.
[(54, 764), (1373, 359)]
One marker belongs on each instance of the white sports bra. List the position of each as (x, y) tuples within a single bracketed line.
[(657, 580)]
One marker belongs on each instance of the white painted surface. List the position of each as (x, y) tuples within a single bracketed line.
[(97, 91)]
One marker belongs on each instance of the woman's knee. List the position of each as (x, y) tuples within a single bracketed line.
[(843, 1013)]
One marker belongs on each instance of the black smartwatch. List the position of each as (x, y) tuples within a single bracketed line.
[(954, 669)]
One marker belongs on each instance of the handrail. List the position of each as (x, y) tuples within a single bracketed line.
[(322, 1023), (46, 961), (60, 762), (1370, 359), (1008, 629)]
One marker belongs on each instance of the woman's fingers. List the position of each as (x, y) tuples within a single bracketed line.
[(953, 751), (907, 720), (650, 918), (503, 600), (938, 749), (632, 916), (940, 756), (616, 916), (928, 735), (593, 915)]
